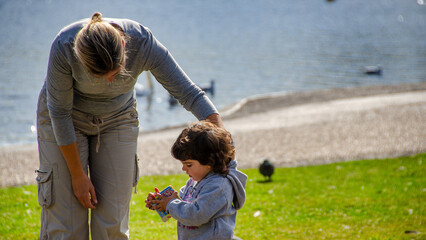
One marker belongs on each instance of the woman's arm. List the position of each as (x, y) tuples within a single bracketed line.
[(59, 86), (60, 93), (81, 184), (166, 70)]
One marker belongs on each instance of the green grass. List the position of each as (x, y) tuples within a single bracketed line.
[(370, 199)]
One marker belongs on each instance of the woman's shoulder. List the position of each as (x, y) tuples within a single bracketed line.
[(64, 40), (130, 27), (68, 33)]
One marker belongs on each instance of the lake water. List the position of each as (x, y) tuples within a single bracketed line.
[(248, 47)]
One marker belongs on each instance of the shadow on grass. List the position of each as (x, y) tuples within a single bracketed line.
[(265, 181)]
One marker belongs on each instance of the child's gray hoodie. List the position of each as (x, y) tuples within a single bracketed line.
[(208, 208)]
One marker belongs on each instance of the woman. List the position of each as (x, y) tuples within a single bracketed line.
[(87, 124)]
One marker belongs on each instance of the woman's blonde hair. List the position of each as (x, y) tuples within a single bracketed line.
[(99, 46)]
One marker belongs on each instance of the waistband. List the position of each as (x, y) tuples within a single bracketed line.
[(94, 124)]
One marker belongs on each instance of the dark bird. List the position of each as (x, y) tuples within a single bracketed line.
[(209, 88), (373, 70), (172, 101), (266, 169), (206, 88)]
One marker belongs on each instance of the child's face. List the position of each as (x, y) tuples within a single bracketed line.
[(195, 170)]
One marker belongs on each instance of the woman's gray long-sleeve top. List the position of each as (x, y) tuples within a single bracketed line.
[(70, 87)]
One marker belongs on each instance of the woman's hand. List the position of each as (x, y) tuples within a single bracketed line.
[(216, 120), (81, 185), (84, 191)]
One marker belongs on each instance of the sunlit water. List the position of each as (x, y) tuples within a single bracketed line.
[(248, 47)]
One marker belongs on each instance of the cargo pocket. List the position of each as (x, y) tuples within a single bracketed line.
[(45, 188), (136, 173)]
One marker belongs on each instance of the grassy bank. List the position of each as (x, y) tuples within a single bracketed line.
[(371, 199)]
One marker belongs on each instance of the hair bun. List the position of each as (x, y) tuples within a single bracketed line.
[(96, 17)]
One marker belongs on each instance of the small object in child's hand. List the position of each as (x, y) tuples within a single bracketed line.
[(167, 192)]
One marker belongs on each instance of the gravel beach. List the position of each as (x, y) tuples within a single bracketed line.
[(294, 129)]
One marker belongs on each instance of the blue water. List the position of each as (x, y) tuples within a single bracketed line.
[(248, 47)]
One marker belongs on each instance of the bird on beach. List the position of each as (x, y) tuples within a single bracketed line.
[(266, 169)]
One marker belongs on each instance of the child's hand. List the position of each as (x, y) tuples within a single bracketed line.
[(161, 204), (150, 198)]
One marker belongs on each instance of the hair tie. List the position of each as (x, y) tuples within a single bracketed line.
[(96, 17)]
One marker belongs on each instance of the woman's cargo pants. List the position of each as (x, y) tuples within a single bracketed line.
[(107, 146)]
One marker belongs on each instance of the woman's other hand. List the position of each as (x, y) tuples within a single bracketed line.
[(84, 191), (81, 185), (216, 120)]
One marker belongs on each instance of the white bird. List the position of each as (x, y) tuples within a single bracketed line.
[(141, 90)]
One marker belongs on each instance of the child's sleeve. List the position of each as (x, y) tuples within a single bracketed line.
[(211, 201), (181, 191)]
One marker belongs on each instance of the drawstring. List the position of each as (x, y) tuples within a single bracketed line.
[(97, 121)]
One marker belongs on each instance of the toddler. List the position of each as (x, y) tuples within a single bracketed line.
[(209, 201)]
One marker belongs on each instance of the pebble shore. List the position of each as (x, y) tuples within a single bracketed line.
[(293, 129)]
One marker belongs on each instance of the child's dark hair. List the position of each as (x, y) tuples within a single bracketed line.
[(206, 143)]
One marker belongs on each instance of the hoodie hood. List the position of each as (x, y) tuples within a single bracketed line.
[(238, 181)]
